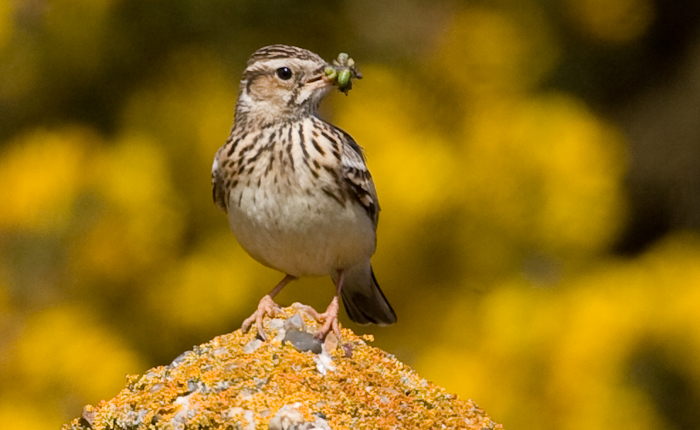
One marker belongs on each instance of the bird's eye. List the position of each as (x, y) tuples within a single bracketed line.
[(284, 73)]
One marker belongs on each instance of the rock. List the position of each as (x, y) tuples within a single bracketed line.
[(219, 385)]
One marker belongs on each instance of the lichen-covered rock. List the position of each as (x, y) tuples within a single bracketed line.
[(235, 382)]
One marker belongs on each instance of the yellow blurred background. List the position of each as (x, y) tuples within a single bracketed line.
[(536, 164)]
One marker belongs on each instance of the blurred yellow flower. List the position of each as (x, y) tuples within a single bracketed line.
[(486, 50), (66, 354), (25, 415), (141, 218), (411, 164), (189, 112), (42, 172), (207, 288), (546, 172), (571, 353), (190, 108)]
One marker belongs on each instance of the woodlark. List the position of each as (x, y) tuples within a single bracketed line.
[(296, 189)]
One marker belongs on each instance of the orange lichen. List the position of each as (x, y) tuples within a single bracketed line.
[(218, 385)]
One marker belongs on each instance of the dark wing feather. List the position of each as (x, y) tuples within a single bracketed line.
[(357, 177), (217, 183)]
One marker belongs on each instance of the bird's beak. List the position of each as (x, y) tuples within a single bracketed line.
[(326, 79), (320, 80)]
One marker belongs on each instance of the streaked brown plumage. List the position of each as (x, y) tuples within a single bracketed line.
[(296, 189)]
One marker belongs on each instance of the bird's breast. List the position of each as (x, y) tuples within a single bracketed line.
[(287, 204), (301, 233)]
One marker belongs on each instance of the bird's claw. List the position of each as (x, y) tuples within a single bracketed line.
[(267, 306), (329, 318)]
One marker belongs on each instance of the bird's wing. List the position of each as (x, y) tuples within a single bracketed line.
[(217, 183), (357, 177)]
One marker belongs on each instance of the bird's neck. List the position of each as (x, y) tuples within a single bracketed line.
[(252, 114), (263, 117)]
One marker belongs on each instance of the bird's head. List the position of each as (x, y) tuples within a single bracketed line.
[(285, 83)]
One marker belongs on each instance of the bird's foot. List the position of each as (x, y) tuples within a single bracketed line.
[(329, 318), (267, 306)]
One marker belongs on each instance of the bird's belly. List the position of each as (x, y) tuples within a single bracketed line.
[(301, 234)]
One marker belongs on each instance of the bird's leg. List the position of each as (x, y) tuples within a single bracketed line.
[(267, 306), (330, 317)]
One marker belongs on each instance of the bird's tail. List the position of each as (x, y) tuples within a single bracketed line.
[(363, 299)]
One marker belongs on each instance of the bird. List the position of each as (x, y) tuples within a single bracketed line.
[(296, 189)]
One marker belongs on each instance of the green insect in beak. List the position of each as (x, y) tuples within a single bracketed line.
[(342, 72)]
